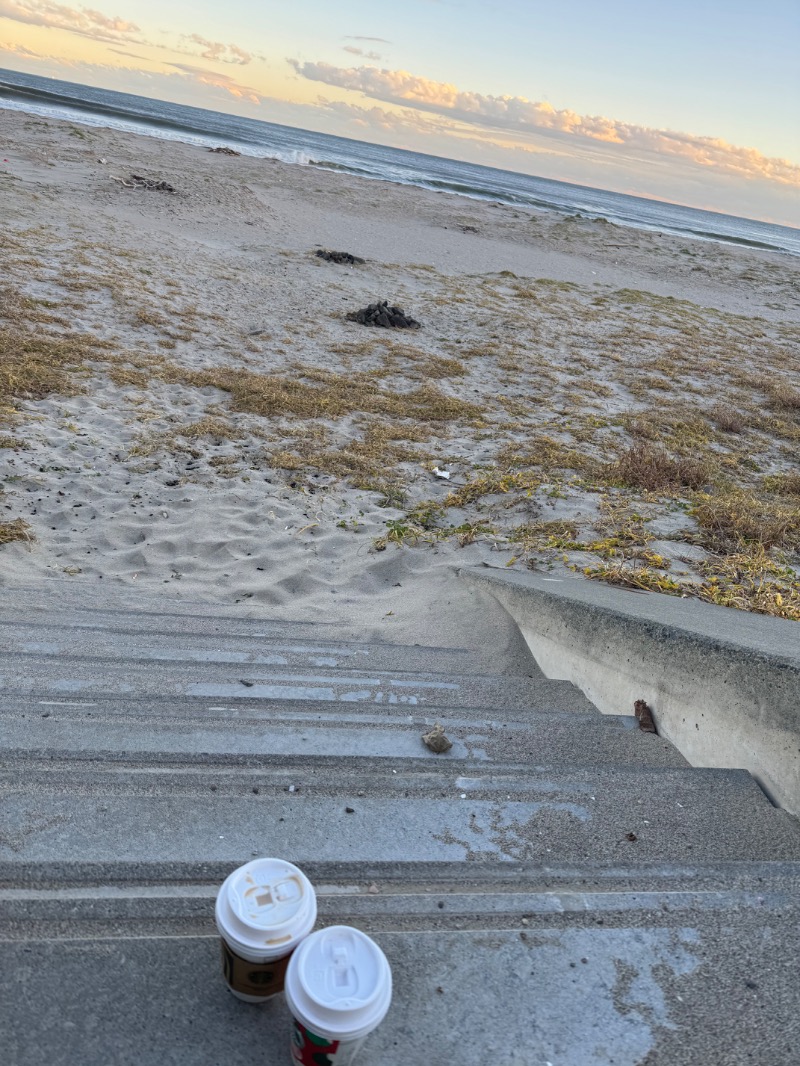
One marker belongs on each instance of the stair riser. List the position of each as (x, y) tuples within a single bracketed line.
[(30, 915), (121, 879)]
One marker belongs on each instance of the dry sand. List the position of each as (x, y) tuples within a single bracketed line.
[(548, 347)]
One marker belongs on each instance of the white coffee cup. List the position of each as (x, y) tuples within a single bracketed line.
[(338, 989), (263, 911)]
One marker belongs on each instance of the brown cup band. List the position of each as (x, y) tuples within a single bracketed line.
[(262, 979)]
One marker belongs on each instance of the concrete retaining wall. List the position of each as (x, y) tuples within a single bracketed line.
[(724, 685)]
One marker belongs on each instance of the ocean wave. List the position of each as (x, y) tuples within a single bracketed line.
[(494, 194), (292, 155), (747, 242), (346, 168), (92, 110), (124, 122), (461, 188)]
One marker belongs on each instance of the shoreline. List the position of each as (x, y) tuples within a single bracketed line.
[(231, 436), (529, 193)]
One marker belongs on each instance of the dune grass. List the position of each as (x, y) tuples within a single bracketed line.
[(17, 529), (539, 394)]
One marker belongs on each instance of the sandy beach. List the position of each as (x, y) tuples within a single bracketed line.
[(185, 407)]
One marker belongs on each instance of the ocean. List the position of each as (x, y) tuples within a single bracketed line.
[(157, 118)]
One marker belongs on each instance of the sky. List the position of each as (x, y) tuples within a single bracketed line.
[(692, 101)]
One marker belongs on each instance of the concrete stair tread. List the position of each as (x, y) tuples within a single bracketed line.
[(138, 613), (565, 976), (70, 642), (162, 807), (132, 614), (191, 709), (546, 738), (38, 677)]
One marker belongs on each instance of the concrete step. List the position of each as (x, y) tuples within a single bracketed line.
[(35, 608), (39, 676), (195, 726), (131, 900), (182, 882), (564, 966), (493, 643), (160, 807), (255, 644)]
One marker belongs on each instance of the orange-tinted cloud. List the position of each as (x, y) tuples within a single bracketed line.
[(111, 29), (21, 50), (224, 53), (378, 118), (83, 21), (219, 81), (541, 118)]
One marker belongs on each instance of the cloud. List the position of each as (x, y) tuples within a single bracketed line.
[(83, 21), (219, 81), (21, 50), (372, 40), (360, 52), (378, 118), (111, 29), (531, 117), (130, 55), (437, 130), (223, 53)]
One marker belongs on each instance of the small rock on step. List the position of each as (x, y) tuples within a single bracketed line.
[(436, 740)]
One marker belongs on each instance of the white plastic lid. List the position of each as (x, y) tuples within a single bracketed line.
[(339, 983), (266, 906)]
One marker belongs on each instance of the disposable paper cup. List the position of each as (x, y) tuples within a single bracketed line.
[(338, 989), (264, 909)]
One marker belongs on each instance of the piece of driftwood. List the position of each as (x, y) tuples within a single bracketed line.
[(136, 181)]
